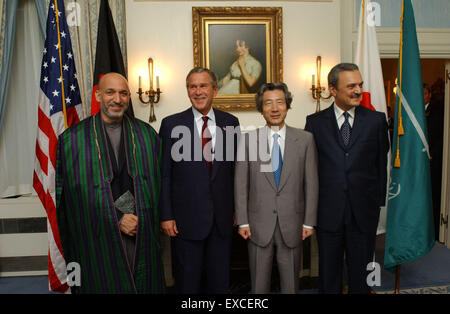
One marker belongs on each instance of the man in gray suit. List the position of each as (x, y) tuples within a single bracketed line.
[(276, 191)]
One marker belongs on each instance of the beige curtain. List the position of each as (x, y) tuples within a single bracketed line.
[(84, 40), (2, 29)]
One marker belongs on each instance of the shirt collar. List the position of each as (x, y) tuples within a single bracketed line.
[(339, 112), (281, 132), (198, 115)]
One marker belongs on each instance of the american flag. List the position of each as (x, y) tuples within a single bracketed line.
[(59, 108)]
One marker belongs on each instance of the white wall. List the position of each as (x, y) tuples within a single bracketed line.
[(163, 31)]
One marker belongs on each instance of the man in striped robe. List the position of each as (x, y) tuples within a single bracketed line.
[(107, 192)]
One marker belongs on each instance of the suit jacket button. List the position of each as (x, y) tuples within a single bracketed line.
[(347, 154)]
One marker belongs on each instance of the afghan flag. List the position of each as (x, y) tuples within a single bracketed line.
[(108, 56), (367, 58), (409, 226)]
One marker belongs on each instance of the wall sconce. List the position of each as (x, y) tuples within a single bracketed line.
[(316, 89), (153, 96)]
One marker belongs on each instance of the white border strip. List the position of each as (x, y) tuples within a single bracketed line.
[(416, 124)]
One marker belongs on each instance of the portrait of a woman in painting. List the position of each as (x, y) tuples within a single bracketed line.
[(244, 72)]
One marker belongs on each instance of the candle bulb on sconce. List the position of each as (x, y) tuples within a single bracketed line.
[(150, 72), (153, 96), (316, 89)]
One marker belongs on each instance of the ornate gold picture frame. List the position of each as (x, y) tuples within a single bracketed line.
[(243, 46)]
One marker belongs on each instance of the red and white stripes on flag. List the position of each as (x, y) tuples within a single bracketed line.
[(367, 58), (59, 108)]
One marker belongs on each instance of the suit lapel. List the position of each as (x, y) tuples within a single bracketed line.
[(266, 165), (220, 124), (290, 149), (358, 123), (333, 127), (188, 121)]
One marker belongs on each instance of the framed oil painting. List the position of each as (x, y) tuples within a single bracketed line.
[(243, 47)]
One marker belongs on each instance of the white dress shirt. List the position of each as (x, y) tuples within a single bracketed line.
[(281, 143), (281, 138), (340, 116), (211, 126)]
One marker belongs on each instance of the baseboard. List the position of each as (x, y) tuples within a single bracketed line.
[(24, 273)]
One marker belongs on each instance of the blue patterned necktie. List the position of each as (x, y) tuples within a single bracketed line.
[(346, 129), (277, 159)]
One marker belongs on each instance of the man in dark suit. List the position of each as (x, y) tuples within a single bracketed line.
[(197, 203), (434, 111), (352, 144)]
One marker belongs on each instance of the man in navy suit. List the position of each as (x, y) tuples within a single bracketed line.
[(352, 144), (197, 200)]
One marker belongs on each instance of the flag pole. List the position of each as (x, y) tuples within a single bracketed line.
[(400, 130), (63, 97), (397, 279)]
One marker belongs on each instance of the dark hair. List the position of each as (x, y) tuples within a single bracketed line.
[(201, 70), (427, 87), (333, 76), (272, 86)]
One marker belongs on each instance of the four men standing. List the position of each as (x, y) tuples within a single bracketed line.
[(109, 200)]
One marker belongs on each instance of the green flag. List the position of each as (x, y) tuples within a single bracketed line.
[(409, 225)]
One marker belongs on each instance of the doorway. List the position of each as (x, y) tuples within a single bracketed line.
[(434, 75)]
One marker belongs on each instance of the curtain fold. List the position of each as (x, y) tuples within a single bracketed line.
[(8, 11), (42, 9), (18, 136)]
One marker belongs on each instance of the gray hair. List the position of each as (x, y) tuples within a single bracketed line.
[(212, 76), (333, 76), (272, 86)]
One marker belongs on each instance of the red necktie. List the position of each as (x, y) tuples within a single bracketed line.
[(206, 138)]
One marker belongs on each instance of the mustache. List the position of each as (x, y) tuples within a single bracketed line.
[(113, 103), (356, 95)]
